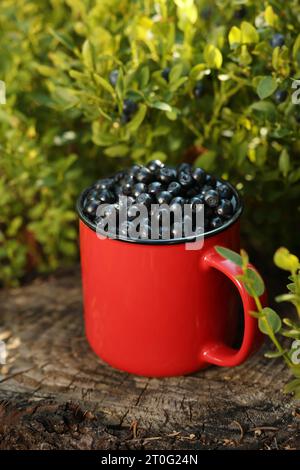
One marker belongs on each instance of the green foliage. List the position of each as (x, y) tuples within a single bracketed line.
[(269, 321), (57, 57)]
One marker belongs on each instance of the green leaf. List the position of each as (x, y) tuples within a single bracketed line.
[(286, 298), (197, 71), (175, 85), (271, 17), (266, 87), (266, 108), (249, 33), (144, 76), (104, 84), (138, 118), (235, 36), (292, 386), (88, 56), (213, 56), (230, 255), (275, 354), (119, 150), (270, 320), (175, 73), (256, 281), (206, 160), (292, 287), (286, 260), (284, 162), (161, 105)]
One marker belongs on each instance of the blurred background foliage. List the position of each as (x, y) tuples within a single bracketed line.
[(211, 83)]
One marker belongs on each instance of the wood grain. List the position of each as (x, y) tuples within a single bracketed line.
[(56, 393)]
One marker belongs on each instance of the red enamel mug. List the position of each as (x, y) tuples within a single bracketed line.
[(155, 308)]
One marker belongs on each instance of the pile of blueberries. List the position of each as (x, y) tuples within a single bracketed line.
[(160, 184)]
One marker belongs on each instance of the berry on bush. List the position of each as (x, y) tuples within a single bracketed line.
[(280, 96), (277, 40)]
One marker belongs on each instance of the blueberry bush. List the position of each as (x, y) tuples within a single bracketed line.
[(94, 85)]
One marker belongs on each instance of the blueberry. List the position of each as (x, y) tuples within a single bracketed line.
[(92, 195), (199, 175), (198, 90), (145, 199), (280, 96), (113, 77), (277, 40), (144, 175), (129, 107), (133, 171), (155, 187), (177, 200), (174, 188), (138, 189), (106, 183), (197, 203), (166, 175), (92, 207), (106, 196), (164, 197), (225, 208), (165, 73), (241, 12), (119, 176), (206, 188), (184, 167), (211, 180), (155, 165), (118, 191), (211, 198), (225, 191), (127, 189), (216, 222), (193, 191), (185, 179)]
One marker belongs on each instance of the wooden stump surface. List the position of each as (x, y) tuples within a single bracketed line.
[(55, 393)]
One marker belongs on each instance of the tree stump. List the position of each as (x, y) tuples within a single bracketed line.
[(57, 394)]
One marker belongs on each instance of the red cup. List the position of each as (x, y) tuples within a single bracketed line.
[(154, 308)]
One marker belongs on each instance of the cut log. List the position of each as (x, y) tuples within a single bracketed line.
[(57, 394)]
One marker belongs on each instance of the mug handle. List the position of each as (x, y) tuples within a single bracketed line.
[(218, 353)]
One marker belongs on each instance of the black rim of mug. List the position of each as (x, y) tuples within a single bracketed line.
[(175, 241)]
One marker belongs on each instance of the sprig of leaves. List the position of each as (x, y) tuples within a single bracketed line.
[(269, 322)]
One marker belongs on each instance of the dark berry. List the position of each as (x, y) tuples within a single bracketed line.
[(154, 187), (133, 171), (184, 167), (225, 208), (280, 96), (165, 73), (113, 77), (145, 199), (164, 197), (138, 189), (225, 191), (129, 107), (241, 12), (211, 180), (144, 175), (211, 198), (106, 183), (166, 175), (185, 179), (106, 196), (198, 90), (178, 200), (199, 175), (196, 203), (92, 207), (118, 176), (193, 191), (216, 222), (154, 165), (174, 188), (127, 189), (277, 40)]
